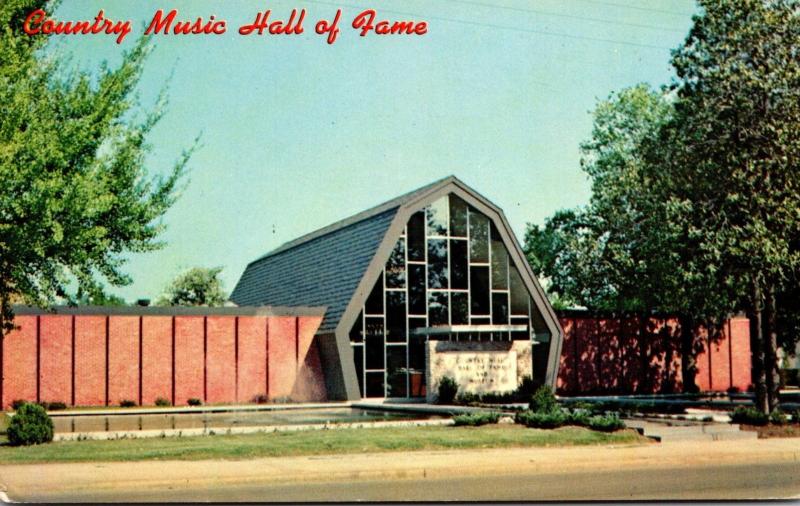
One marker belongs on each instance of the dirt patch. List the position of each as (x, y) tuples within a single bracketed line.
[(773, 431)]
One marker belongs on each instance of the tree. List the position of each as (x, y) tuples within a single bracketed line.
[(198, 286), (732, 171), (626, 251), (76, 194)]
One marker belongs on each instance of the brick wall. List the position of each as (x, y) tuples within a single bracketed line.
[(604, 355), (97, 359)]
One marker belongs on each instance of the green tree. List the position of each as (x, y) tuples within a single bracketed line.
[(732, 172), (198, 286), (76, 193)]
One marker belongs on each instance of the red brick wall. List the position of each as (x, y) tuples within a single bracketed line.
[(55, 359), (625, 356), (156, 359), (218, 359), (252, 380), (19, 361), (90, 361), (123, 359)]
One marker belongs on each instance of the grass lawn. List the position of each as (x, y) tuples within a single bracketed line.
[(312, 442)]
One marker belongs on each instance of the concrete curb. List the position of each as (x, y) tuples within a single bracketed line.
[(221, 431)]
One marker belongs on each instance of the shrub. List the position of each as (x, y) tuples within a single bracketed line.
[(733, 390), (17, 403), (261, 399), (606, 423), (577, 417), (778, 417), (543, 401), (55, 406), (796, 416), (30, 426), (749, 416), (467, 398), (127, 403), (541, 420), (448, 388), (161, 401), (194, 401), (527, 387), (476, 419)]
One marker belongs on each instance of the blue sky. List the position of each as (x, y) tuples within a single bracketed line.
[(297, 133)]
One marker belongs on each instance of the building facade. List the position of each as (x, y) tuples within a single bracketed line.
[(438, 264)]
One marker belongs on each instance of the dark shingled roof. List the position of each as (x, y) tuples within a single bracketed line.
[(322, 268)]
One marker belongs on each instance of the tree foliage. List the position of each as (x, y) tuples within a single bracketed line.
[(198, 286), (76, 193), (695, 204)]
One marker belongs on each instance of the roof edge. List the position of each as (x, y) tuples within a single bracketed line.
[(22, 310)]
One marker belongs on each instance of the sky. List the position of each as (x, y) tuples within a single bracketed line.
[(297, 134)]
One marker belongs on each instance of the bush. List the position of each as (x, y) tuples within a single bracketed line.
[(796, 416), (160, 401), (194, 401), (448, 388), (261, 399), (127, 403), (30, 426), (577, 417), (606, 423), (778, 417), (527, 387), (749, 416), (55, 406), (541, 420), (543, 401), (17, 403), (476, 419)]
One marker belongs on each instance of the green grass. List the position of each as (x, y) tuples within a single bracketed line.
[(314, 442)]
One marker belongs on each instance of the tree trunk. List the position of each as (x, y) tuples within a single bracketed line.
[(771, 349), (688, 355), (757, 340)]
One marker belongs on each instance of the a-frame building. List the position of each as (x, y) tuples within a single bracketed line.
[(438, 263)]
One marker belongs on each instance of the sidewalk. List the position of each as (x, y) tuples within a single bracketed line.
[(20, 481)]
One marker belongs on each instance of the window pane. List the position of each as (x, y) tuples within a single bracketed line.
[(437, 263), (416, 353), (478, 237), (437, 217), (374, 343), (396, 371), (416, 289), (499, 262), (358, 358), (374, 304), (437, 308), (481, 321), (519, 294), (458, 217), (357, 332), (396, 317), (459, 308), (416, 237), (479, 290), (375, 384), (523, 335), (396, 266), (458, 264), (416, 323), (540, 332), (499, 308)]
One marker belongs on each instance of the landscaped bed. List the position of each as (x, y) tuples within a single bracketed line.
[(773, 431), (312, 443)]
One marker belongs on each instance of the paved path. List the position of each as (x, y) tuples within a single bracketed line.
[(686, 470)]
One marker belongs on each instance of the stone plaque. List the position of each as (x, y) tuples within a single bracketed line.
[(476, 367)]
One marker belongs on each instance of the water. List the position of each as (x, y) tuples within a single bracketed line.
[(224, 420)]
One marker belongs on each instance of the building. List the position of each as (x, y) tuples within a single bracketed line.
[(435, 273)]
